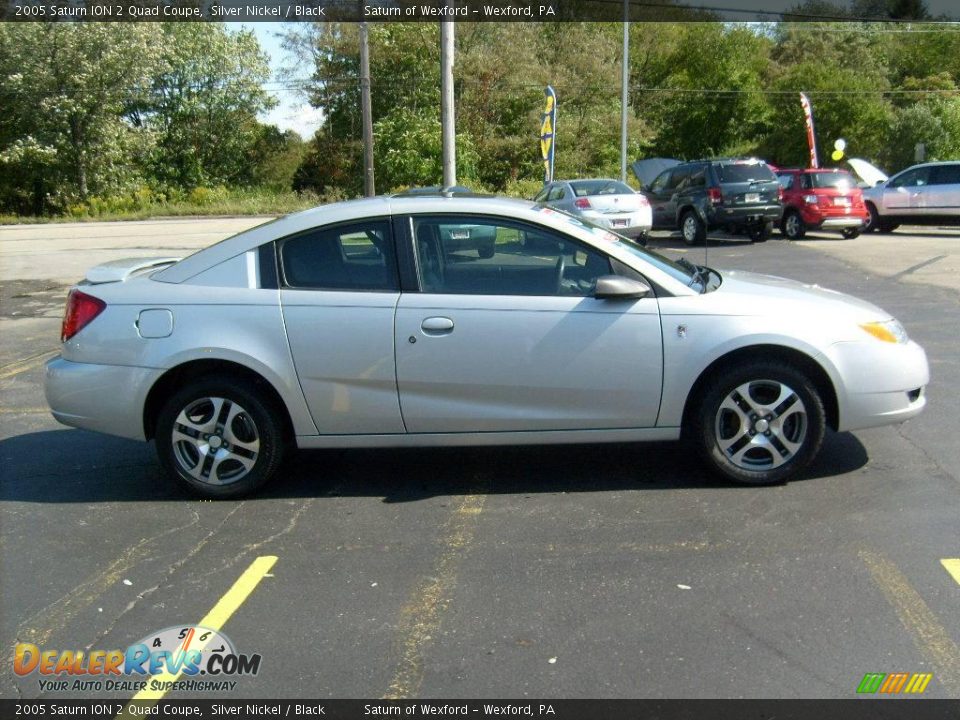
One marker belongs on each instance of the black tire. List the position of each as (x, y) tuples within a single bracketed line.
[(885, 226), (746, 443), (761, 232), (253, 441), (851, 233), (692, 229), (873, 221), (793, 227)]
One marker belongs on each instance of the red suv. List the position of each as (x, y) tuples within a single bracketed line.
[(821, 199)]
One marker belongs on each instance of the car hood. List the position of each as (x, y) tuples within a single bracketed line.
[(773, 295)]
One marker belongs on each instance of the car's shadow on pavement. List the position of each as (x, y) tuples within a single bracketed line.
[(64, 466)]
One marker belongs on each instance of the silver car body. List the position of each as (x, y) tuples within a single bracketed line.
[(418, 368), (921, 194), (625, 212)]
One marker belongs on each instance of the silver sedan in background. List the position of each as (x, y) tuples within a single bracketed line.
[(608, 203), (356, 325)]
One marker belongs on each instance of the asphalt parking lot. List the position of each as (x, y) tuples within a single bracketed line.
[(564, 572)]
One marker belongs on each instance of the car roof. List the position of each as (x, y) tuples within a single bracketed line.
[(813, 170), (345, 211), (383, 206)]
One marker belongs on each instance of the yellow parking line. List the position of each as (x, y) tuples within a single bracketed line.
[(952, 566), (21, 366), (420, 617), (929, 635), (213, 620)]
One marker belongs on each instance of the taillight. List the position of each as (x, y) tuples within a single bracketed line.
[(582, 203), (642, 200), (780, 193), (715, 196), (81, 310)]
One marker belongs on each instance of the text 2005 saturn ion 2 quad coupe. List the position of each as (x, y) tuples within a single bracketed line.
[(353, 325)]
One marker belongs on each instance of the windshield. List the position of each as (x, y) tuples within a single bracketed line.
[(582, 188), (744, 172), (838, 180), (664, 264)]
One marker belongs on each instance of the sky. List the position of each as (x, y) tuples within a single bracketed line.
[(292, 113)]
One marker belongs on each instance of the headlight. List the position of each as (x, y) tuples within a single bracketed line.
[(889, 331)]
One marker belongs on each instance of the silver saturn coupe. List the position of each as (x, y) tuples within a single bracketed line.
[(370, 324)]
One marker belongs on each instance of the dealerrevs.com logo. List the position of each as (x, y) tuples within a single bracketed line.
[(894, 683), (189, 657)]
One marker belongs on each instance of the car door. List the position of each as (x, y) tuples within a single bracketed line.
[(944, 190), (905, 194), (339, 292), (517, 342)]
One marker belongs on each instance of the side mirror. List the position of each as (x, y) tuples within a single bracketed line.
[(615, 287)]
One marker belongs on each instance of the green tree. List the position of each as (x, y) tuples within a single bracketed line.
[(204, 105), (67, 90)]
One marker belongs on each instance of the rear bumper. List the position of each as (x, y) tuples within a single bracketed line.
[(631, 224), (724, 215), (841, 222), (103, 398)]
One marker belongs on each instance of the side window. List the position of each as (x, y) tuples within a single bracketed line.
[(911, 178), (806, 181), (556, 194), (945, 174), (698, 176), (358, 256), (660, 184), (679, 178), (542, 195), (454, 257), (786, 181)]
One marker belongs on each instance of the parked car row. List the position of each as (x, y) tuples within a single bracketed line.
[(747, 195)]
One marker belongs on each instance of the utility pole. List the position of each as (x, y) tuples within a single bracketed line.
[(447, 119), (624, 91), (366, 112)]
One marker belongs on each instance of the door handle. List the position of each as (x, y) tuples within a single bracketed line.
[(437, 325)]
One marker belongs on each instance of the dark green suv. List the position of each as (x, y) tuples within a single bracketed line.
[(733, 194)]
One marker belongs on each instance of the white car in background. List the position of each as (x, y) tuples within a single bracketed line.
[(608, 203), (927, 194), (352, 325)]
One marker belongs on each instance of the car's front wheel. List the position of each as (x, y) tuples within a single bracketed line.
[(760, 423), (219, 439), (851, 233)]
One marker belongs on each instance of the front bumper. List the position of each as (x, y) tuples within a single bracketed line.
[(884, 384), (103, 398)]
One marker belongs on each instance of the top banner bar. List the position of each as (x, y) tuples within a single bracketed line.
[(460, 11)]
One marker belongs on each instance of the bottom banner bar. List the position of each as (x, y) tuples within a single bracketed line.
[(854, 709)]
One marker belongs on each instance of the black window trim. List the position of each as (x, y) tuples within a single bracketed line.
[(409, 247), (392, 268)]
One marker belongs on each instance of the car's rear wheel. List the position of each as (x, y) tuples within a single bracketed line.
[(851, 233), (219, 439), (760, 232), (692, 229), (760, 423), (793, 227)]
